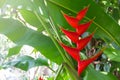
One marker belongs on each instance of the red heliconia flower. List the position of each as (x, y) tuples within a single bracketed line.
[(40, 78), (74, 21), (83, 42), (80, 29), (71, 20), (72, 51), (84, 63), (80, 42), (82, 13), (73, 36)]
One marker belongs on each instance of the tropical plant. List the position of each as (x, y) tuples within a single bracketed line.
[(37, 23)]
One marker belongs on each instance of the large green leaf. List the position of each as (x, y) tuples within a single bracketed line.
[(26, 62), (108, 29), (39, 5), (31, 18), (22, 35)]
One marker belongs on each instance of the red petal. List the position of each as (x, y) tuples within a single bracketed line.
[(71, 20), (40, 78), (83, 42), (83, 27), (74, 37), (82, 13), (83, 64), (72, 52)]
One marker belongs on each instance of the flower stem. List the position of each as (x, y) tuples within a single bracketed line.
[(58, 72), (55, 42)]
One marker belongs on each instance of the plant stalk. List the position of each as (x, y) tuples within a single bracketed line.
[(56, 44)]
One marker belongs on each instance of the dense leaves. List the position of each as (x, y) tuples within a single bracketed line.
[(105, 31), (22, 35), (107, 28)]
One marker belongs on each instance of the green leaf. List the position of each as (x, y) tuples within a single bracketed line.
[(91, 73), (22, 35), (108, 29), (113, 54), (40, 7), (40, 61), (13, 51), (26, 62), (31, 18)]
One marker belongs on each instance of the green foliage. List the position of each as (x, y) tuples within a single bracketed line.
[(31, 18), (113, 54), (112, 7), (13, 51), (26, 62), (49, 11), (91, 73), (22, 35), (105, 31)]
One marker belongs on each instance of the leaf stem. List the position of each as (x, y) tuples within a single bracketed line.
[(55, 42), (41, 21), (51, 69), (57, 34), (74, 73), (58, 72)]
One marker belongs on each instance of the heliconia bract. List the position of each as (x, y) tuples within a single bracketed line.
[(74, 52)]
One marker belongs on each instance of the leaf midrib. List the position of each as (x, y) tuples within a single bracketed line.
[(109, 34)]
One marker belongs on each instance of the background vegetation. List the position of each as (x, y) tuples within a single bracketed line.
[(36, 23)]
